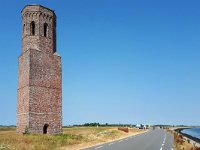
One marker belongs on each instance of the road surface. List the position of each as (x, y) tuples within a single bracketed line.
[(157, 139)]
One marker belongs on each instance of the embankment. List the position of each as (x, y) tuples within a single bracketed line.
[(193, 140)]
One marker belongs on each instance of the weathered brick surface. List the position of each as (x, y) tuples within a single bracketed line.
[(23, 70), (45, 70), (39, 74), (39, 15)]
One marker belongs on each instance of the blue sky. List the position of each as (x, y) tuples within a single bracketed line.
[(124, 61)]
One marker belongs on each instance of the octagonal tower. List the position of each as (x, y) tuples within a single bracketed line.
[(39, 108)]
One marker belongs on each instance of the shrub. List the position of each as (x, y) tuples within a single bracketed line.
[(26, 131)]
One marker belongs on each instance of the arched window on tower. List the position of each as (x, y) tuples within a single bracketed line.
[(45, 29), (32, 28)]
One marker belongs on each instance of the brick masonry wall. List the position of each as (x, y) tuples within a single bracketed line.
[(39, 15), (39, 74), (48, 110), (23, 92), (23, 69), (45, 70), (23, 109)]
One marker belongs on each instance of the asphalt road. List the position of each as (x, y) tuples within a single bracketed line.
[(157, 139)]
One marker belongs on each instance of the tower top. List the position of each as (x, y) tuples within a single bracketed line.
[(36, 7), (39, 29)]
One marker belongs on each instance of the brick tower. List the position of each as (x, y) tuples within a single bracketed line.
[(39, 108)]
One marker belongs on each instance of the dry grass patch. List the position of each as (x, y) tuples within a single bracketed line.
[(183, 144), (73, 138), (11, 140), (99, 135)]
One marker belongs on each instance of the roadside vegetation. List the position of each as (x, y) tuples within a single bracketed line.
[(72, 138), (182, 144)]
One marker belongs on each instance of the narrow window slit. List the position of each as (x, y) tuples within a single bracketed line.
[(24, 28), (32, 28), (45, 29)]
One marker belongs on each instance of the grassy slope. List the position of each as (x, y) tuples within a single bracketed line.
[(73, 138), (182, 144)]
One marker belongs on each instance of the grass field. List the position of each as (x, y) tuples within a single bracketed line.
[(71, 139)]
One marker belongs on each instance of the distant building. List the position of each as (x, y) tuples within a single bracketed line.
[(39, 107)]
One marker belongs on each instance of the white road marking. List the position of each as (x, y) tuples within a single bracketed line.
[(98, 147), (163, 142), (111, 144)]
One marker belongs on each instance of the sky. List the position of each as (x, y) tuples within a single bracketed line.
[(123, 61)]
